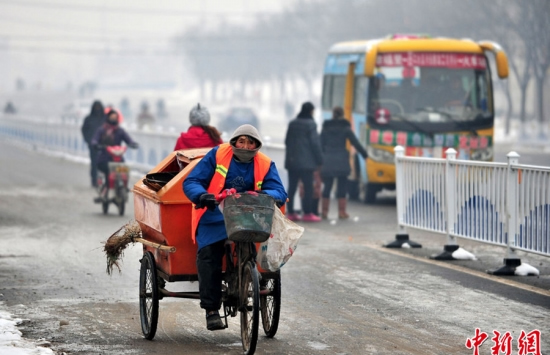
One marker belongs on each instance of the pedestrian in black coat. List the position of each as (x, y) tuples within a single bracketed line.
[(334, 135), (92, 122), (302, 157)]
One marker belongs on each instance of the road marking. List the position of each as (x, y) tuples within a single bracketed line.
[(463, 269)]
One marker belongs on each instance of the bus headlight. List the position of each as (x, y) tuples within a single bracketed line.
[(380, 155), (485, 154)]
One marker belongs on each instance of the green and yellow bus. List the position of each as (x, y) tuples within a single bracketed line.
[(425, 94)]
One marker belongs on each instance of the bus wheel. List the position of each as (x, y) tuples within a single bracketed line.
[(370, 194)]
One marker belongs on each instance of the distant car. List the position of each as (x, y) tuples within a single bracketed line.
[(236, 117)]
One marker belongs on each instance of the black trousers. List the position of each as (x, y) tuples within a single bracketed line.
[(93, 164), (306, 176), (341, 186), (209, 267)]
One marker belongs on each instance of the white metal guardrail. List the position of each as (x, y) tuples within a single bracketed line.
[(67, 138), (58, 136), (506, 204)]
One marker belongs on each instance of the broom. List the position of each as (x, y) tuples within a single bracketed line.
[(119, 240)]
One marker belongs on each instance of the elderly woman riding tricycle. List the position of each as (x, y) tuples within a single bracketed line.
[(190, 239)]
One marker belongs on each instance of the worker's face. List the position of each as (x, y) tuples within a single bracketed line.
[(243, 142)]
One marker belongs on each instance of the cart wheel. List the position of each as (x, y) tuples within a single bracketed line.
[(270, 304), (148, 296), (105, 206), (250, 307)]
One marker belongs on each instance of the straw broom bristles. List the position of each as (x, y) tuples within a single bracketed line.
[(117, 242)]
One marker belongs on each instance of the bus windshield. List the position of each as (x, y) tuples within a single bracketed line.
[(452, 97)]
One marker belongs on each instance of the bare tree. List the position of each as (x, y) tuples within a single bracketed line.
[(538, 35), (284, 48)]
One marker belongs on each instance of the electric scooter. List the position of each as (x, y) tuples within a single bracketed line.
[(114, 188)]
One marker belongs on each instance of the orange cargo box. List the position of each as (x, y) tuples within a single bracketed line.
[(164, 215)]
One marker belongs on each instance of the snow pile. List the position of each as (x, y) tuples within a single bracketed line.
[(11, 342), (461, 254), (526, 270)]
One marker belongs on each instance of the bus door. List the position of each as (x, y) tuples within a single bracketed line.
[(348, 114)]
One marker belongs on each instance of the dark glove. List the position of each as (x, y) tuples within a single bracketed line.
[(208, 201), (134, 145)]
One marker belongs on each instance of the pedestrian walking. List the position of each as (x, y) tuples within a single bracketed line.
[(334, 135), (92, 122), (302, 157), (200, 134)]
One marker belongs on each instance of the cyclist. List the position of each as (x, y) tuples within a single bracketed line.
[(239, 165)]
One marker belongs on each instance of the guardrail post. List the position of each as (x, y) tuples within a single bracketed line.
[(511, 261), (402, 237), (450, 210)]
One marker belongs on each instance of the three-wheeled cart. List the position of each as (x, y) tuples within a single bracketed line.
[(164, 216)]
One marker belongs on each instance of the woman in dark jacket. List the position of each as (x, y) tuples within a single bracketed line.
[(302, 157), (334, 135)]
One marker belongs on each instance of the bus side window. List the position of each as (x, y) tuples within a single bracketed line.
[(334, 87), (327, 93), (338, 90), (360, 94)]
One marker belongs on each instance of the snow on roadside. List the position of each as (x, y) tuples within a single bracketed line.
[(11, 340)]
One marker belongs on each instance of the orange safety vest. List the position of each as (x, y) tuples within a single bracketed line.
[(223, 159)]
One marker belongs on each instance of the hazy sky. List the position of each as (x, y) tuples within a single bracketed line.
[(53, 42)]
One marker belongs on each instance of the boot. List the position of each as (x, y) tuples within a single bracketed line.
[(325, 207), (342, 208)]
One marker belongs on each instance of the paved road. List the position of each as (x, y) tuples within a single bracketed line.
[(342, 292)]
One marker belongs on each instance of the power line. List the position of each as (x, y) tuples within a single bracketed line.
[(118, 39), (131, 11), (57, 26), (92, 52), (80, 38), (211, 52)]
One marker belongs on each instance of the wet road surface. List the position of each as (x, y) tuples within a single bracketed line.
[(342, 293)]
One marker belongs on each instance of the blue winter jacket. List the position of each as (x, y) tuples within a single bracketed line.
[(240, 176)]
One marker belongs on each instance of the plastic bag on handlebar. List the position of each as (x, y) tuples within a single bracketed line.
[(280, 246)]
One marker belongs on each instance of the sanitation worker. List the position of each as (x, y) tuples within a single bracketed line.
[(238, 165)]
